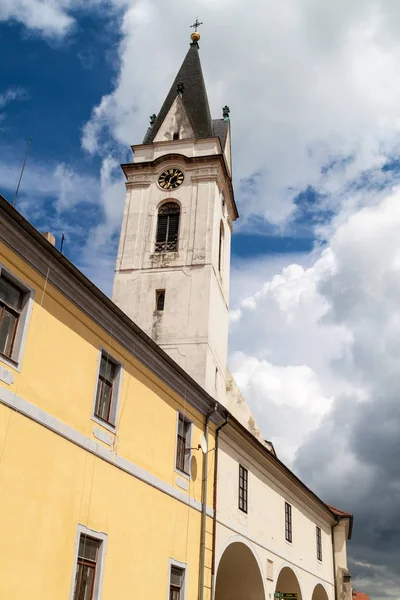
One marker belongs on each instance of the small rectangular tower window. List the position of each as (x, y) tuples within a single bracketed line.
[(319, 543), (288, 522), (176, 135), (176, 583), (243, 485), (160, 300), (183, 440)]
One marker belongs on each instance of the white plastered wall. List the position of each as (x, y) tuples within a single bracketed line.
[(193, 328), (263, 527)]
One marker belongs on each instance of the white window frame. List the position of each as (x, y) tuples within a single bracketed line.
[(22, 329), (179, 565), (116, 392), (190, 435), (98, 581)]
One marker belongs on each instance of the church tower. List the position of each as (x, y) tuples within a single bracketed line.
[(173, 265)]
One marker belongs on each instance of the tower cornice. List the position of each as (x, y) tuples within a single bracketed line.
[(145, 168)]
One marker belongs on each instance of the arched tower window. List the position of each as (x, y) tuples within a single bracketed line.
[(221, 248), (167, 227)]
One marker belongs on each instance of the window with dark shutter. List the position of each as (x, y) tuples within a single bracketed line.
[(167, 228), (319, 544), (288, 522), (243, 485), (221, 248)]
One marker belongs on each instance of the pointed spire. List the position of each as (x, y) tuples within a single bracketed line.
[(193, 96)]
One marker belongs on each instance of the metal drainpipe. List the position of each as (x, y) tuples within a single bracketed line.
[(204, 508), (215, 506), (334, 561)]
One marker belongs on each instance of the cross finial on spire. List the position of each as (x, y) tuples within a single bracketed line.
[(196, 24), (195, 35)]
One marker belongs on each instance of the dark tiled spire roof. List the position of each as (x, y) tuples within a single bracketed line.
[(220, 129), (194, 98)]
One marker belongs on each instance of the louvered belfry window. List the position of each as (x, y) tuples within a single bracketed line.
[(167, 228)]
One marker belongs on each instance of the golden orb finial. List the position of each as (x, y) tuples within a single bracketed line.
[(195, 35)]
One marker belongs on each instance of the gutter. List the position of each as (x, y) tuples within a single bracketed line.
[(213, 580), (334, 561), (204, 505)]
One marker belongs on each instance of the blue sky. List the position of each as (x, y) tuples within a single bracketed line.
[(56, 85), (314, 94)]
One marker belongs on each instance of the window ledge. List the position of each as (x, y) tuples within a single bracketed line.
[(10, 362), (182, 473), (108, 426)]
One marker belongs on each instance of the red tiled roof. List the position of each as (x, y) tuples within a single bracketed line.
[(360, 596), (341, 513)]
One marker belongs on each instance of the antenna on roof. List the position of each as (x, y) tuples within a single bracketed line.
[(22, 172), (62, 242)]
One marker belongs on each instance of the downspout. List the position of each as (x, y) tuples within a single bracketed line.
[(204, 507), (215, 506), (334, 561)]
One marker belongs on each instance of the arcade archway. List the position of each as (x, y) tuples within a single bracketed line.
[(288, 584), (238, 575), (319, 593)]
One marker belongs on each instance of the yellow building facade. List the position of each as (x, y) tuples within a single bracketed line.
[(94, 505)]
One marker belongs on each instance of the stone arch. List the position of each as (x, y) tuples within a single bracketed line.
[(319, 593), (239, 575), (288, 583)]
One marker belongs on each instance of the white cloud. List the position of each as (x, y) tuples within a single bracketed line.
[(51, 18), (48, 17), (316, 352), (307, 85), (10, 95)]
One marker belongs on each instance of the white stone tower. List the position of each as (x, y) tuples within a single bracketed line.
[(173, 265)]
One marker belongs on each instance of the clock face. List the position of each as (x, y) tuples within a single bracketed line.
[(170, 179)]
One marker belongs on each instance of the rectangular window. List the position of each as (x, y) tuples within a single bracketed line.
[(10, 313), (288, 522), (160, 300), (88, 553), (319, 544), (176, 135), (176, 583), (107, 390), (183, 441), (243, 485)]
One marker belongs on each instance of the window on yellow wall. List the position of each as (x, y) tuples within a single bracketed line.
[(86, 567), (107, 390), (10, 312), (176, 583), (183, 444), (87, 577), (15, 306)]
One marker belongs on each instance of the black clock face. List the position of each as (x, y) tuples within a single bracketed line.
[(170, 179)]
